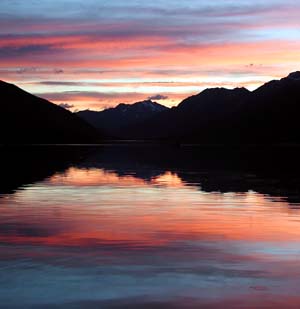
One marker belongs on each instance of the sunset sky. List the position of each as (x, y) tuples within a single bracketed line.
[(96, 54)]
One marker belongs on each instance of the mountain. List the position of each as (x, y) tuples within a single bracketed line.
[(26, 118), (267, 115), (272, 112), (113, 121), (204, 114)]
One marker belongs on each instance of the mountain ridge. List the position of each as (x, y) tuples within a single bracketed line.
[(113, 120), (269, 114), (219, 115), (26, 118)]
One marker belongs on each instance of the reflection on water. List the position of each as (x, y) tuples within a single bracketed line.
[(149, 227)]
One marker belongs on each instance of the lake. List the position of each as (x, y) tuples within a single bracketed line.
[(149, 227)]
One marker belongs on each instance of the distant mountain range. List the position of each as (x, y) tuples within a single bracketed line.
[(113, 121), (202, 115), (270, 114), (27, 119)]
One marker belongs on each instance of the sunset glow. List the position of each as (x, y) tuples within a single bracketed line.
[(96, 54)]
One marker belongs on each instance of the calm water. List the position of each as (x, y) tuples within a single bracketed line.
[(149, 227)]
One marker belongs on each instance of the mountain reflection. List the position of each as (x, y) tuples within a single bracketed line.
[(97, 177), (21, 166), (272, 172)]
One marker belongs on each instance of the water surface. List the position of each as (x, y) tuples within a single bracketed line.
[(149, 227)]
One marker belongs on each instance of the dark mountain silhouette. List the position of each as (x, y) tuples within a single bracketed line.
[(203, 115), (26, 118), (112, 121), (269, 114)]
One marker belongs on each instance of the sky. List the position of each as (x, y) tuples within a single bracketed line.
[(95, 54)]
